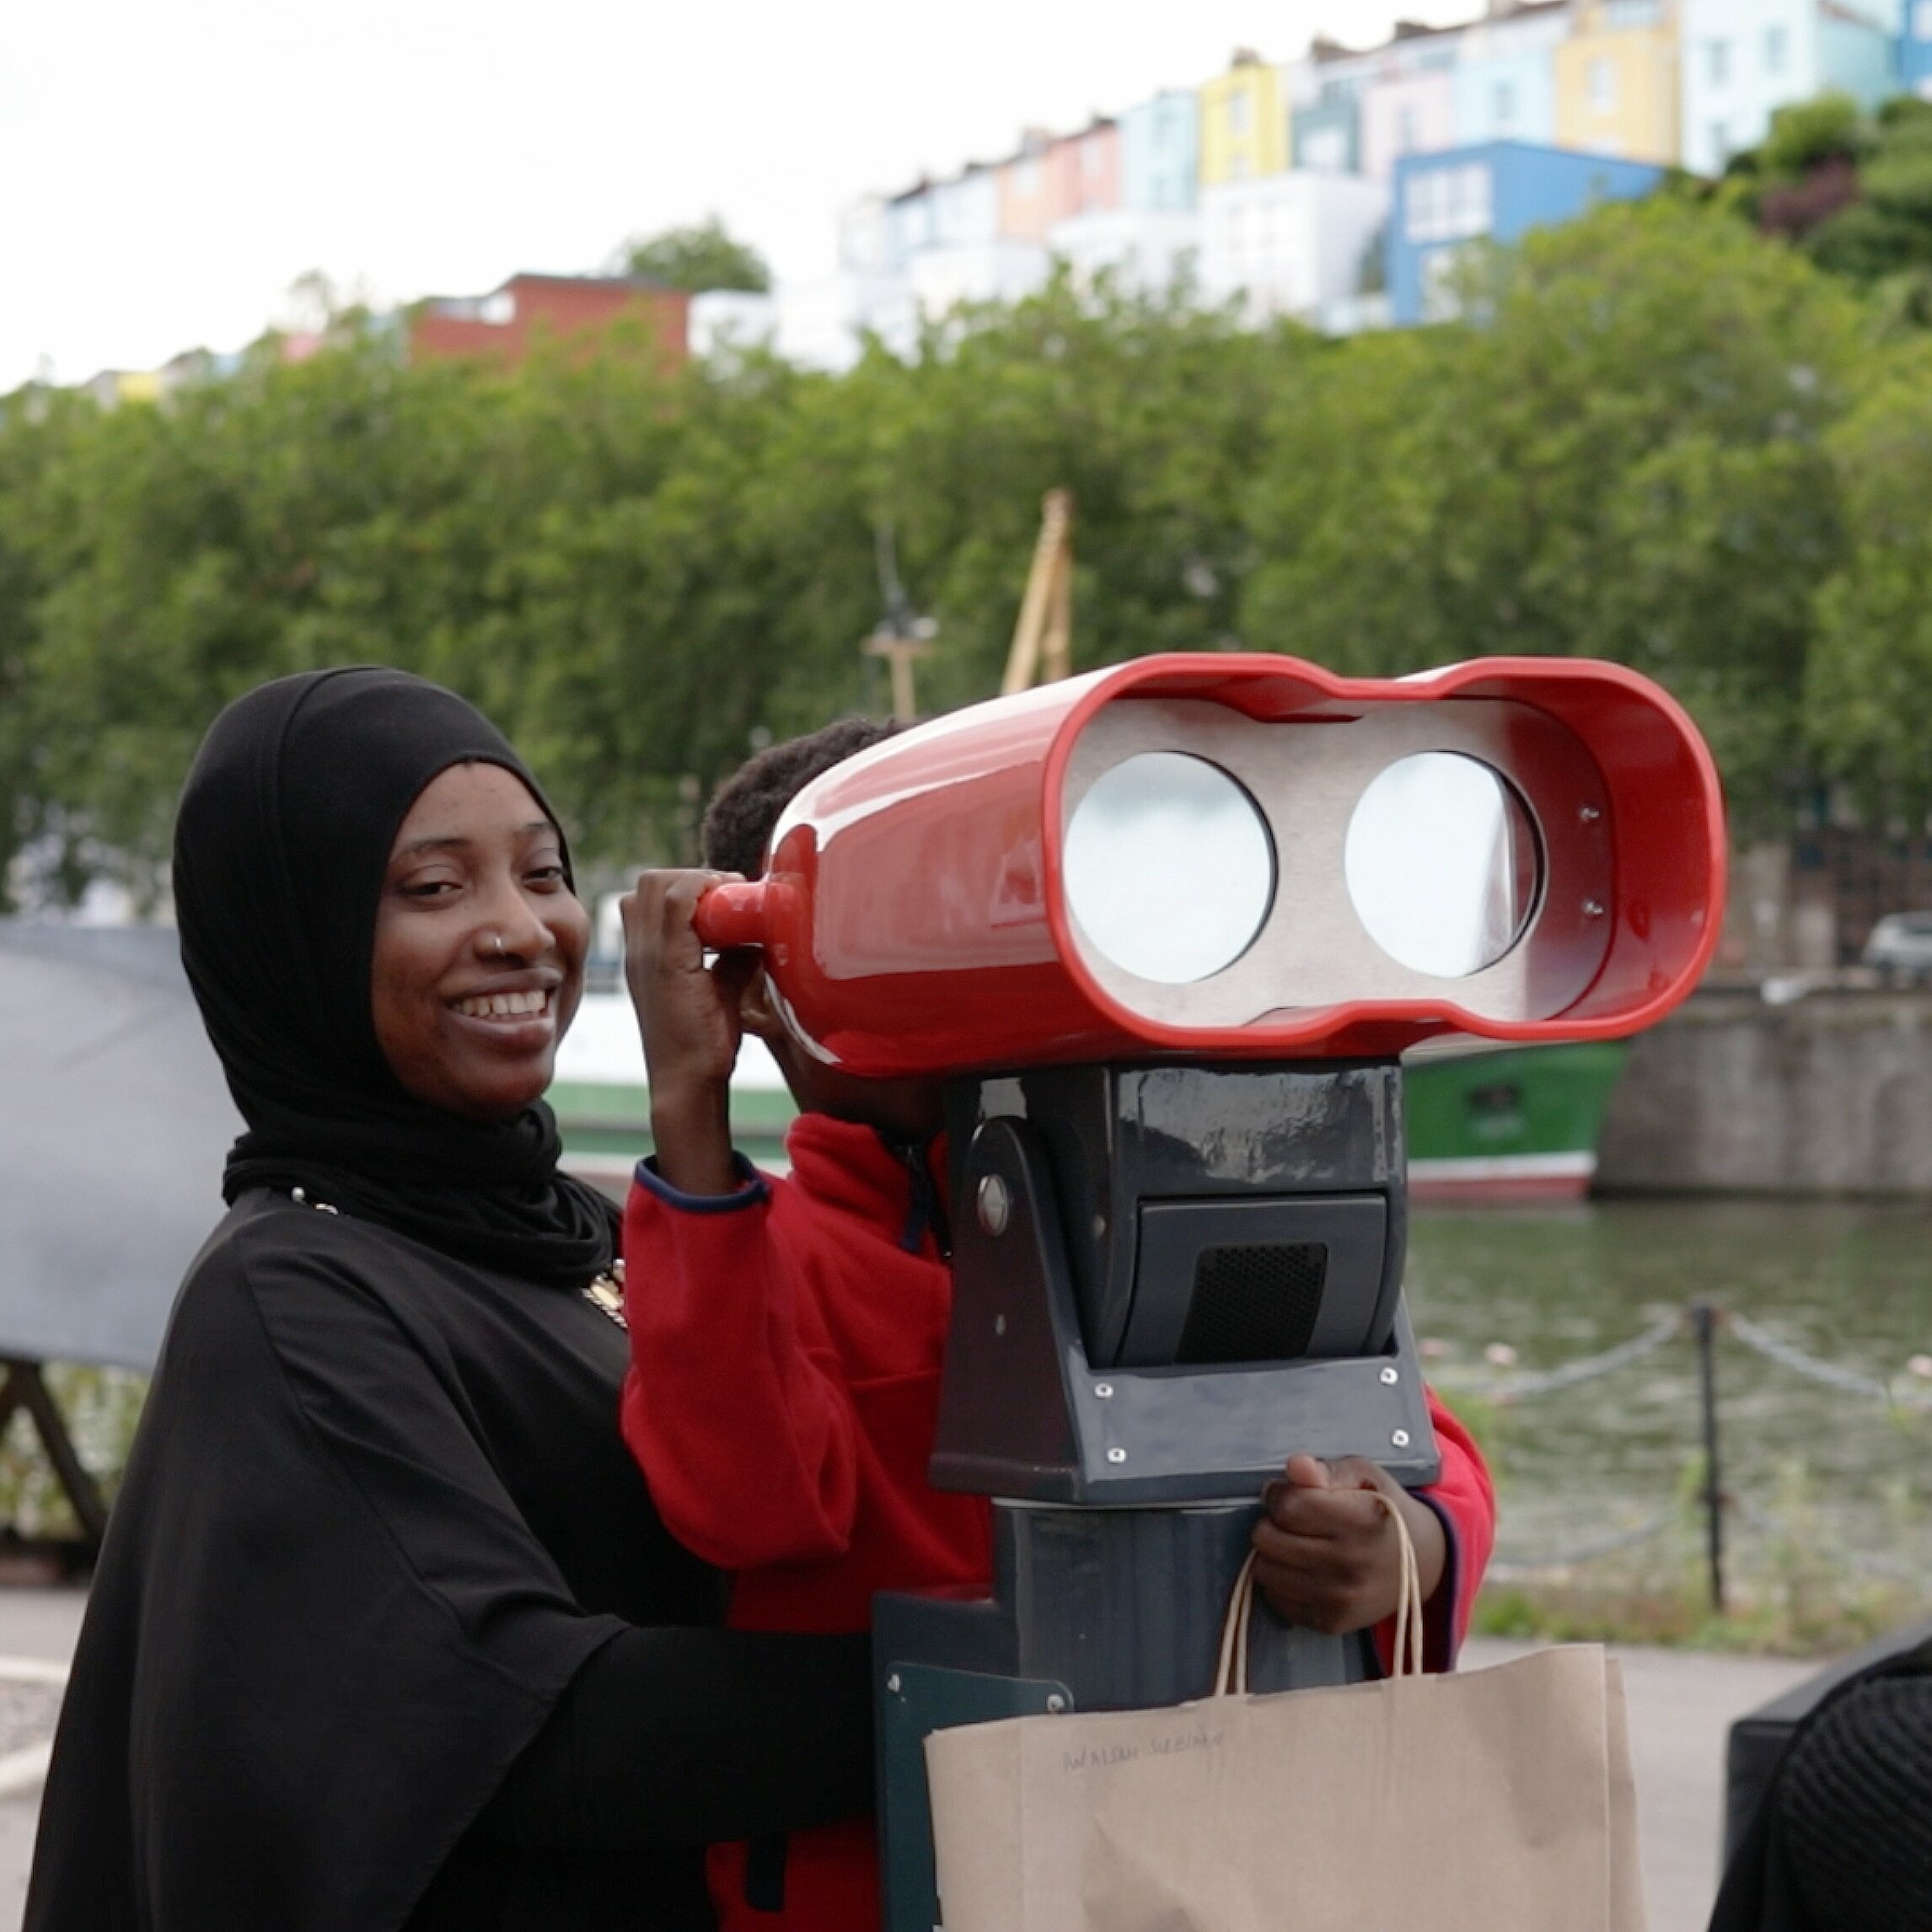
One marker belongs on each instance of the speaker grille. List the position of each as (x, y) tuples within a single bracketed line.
[(1254, 1304)]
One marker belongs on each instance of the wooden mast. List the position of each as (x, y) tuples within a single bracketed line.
[(1042, 650)]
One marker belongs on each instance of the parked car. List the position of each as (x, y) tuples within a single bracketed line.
[(1901, 945)]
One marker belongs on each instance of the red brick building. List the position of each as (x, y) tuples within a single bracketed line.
[(506, 323)]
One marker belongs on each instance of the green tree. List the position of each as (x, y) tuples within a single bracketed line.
[(1625, 459), (1807, 135), (624, 567), (31, 427), (1854, 191), (250, 528), (723, 590), (697, 258), (1657, 439), (1153, 413), (634, 571), (1870, 683)]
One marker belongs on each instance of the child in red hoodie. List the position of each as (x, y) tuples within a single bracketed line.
[(786, 1338)]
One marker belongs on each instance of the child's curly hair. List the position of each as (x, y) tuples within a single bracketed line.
[(739, 819)]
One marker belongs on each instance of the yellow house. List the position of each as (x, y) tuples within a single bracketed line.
[(1243, 122), (1617, 81)]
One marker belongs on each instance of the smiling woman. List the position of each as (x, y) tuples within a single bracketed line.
[(480, 946), (386, 1631)]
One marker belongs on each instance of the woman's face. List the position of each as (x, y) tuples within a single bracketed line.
[(480, 946)]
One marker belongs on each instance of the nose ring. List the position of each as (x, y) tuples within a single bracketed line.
[(498, 939)]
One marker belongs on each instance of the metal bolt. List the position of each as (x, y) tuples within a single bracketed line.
[(1103, 1389), (995, 1205), (892, 1683), (1593, 909), (1400, 1439), (1391, 1375), (1116, 1455), (1055, 1702), (1588, 813)]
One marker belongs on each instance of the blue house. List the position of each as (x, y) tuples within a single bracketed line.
[(1496, 190), (1915, 50), (1326, 137), (1159, 148), (910, 224), (1505, 75)]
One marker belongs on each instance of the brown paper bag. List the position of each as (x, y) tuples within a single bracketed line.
[(1498, 1801)]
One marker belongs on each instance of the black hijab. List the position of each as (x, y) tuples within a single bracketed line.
[(279, 850)]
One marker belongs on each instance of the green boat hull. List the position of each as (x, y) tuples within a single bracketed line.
[(1520, 1121), (606, 1126)]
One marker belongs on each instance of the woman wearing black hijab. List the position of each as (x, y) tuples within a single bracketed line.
[(385, 1633)]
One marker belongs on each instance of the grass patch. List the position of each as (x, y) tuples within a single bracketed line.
[(1791, 1588)]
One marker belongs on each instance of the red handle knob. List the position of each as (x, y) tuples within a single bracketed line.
[(731, 915)]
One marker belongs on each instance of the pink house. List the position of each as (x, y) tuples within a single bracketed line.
[(1084, 169), (1409, 108), (1053, 177)]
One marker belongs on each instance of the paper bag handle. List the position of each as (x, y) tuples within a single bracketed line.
[(1230, 1671)]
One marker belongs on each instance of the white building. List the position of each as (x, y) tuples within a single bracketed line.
[(822, 324), (1743, 60), (722, 319), (906, 257), (1146, 250), (1000, 269), (865, 237), (1297, 244), (966, 208)]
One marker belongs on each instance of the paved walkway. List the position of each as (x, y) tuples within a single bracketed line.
[(1682, 1703), (33, 1624)]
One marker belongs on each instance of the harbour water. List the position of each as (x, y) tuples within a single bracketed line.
[(1843, 1475)]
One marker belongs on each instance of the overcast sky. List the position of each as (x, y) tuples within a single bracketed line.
[(168, 171)]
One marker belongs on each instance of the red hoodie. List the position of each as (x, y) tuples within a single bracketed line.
[(786, 1345)]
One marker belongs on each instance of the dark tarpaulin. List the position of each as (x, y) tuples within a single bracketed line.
[(115, 1123)]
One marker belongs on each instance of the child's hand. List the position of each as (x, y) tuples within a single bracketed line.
[(1327, 1555), (688, 1016)]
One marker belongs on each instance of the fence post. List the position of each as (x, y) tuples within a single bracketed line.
[(1703, 1324)]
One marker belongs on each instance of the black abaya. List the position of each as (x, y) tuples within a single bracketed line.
[(385, 1632), (377, 1521)]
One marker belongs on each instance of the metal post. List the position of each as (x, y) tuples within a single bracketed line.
[(24, 1387), (1704, 1321)]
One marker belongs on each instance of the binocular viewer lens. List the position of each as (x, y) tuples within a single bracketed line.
[(1171, 868), (1443, 863)]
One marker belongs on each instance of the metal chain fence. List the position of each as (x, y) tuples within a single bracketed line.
[(1506, 1569), (1702, 1322), (1848, 1381), (1588, 1368)]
